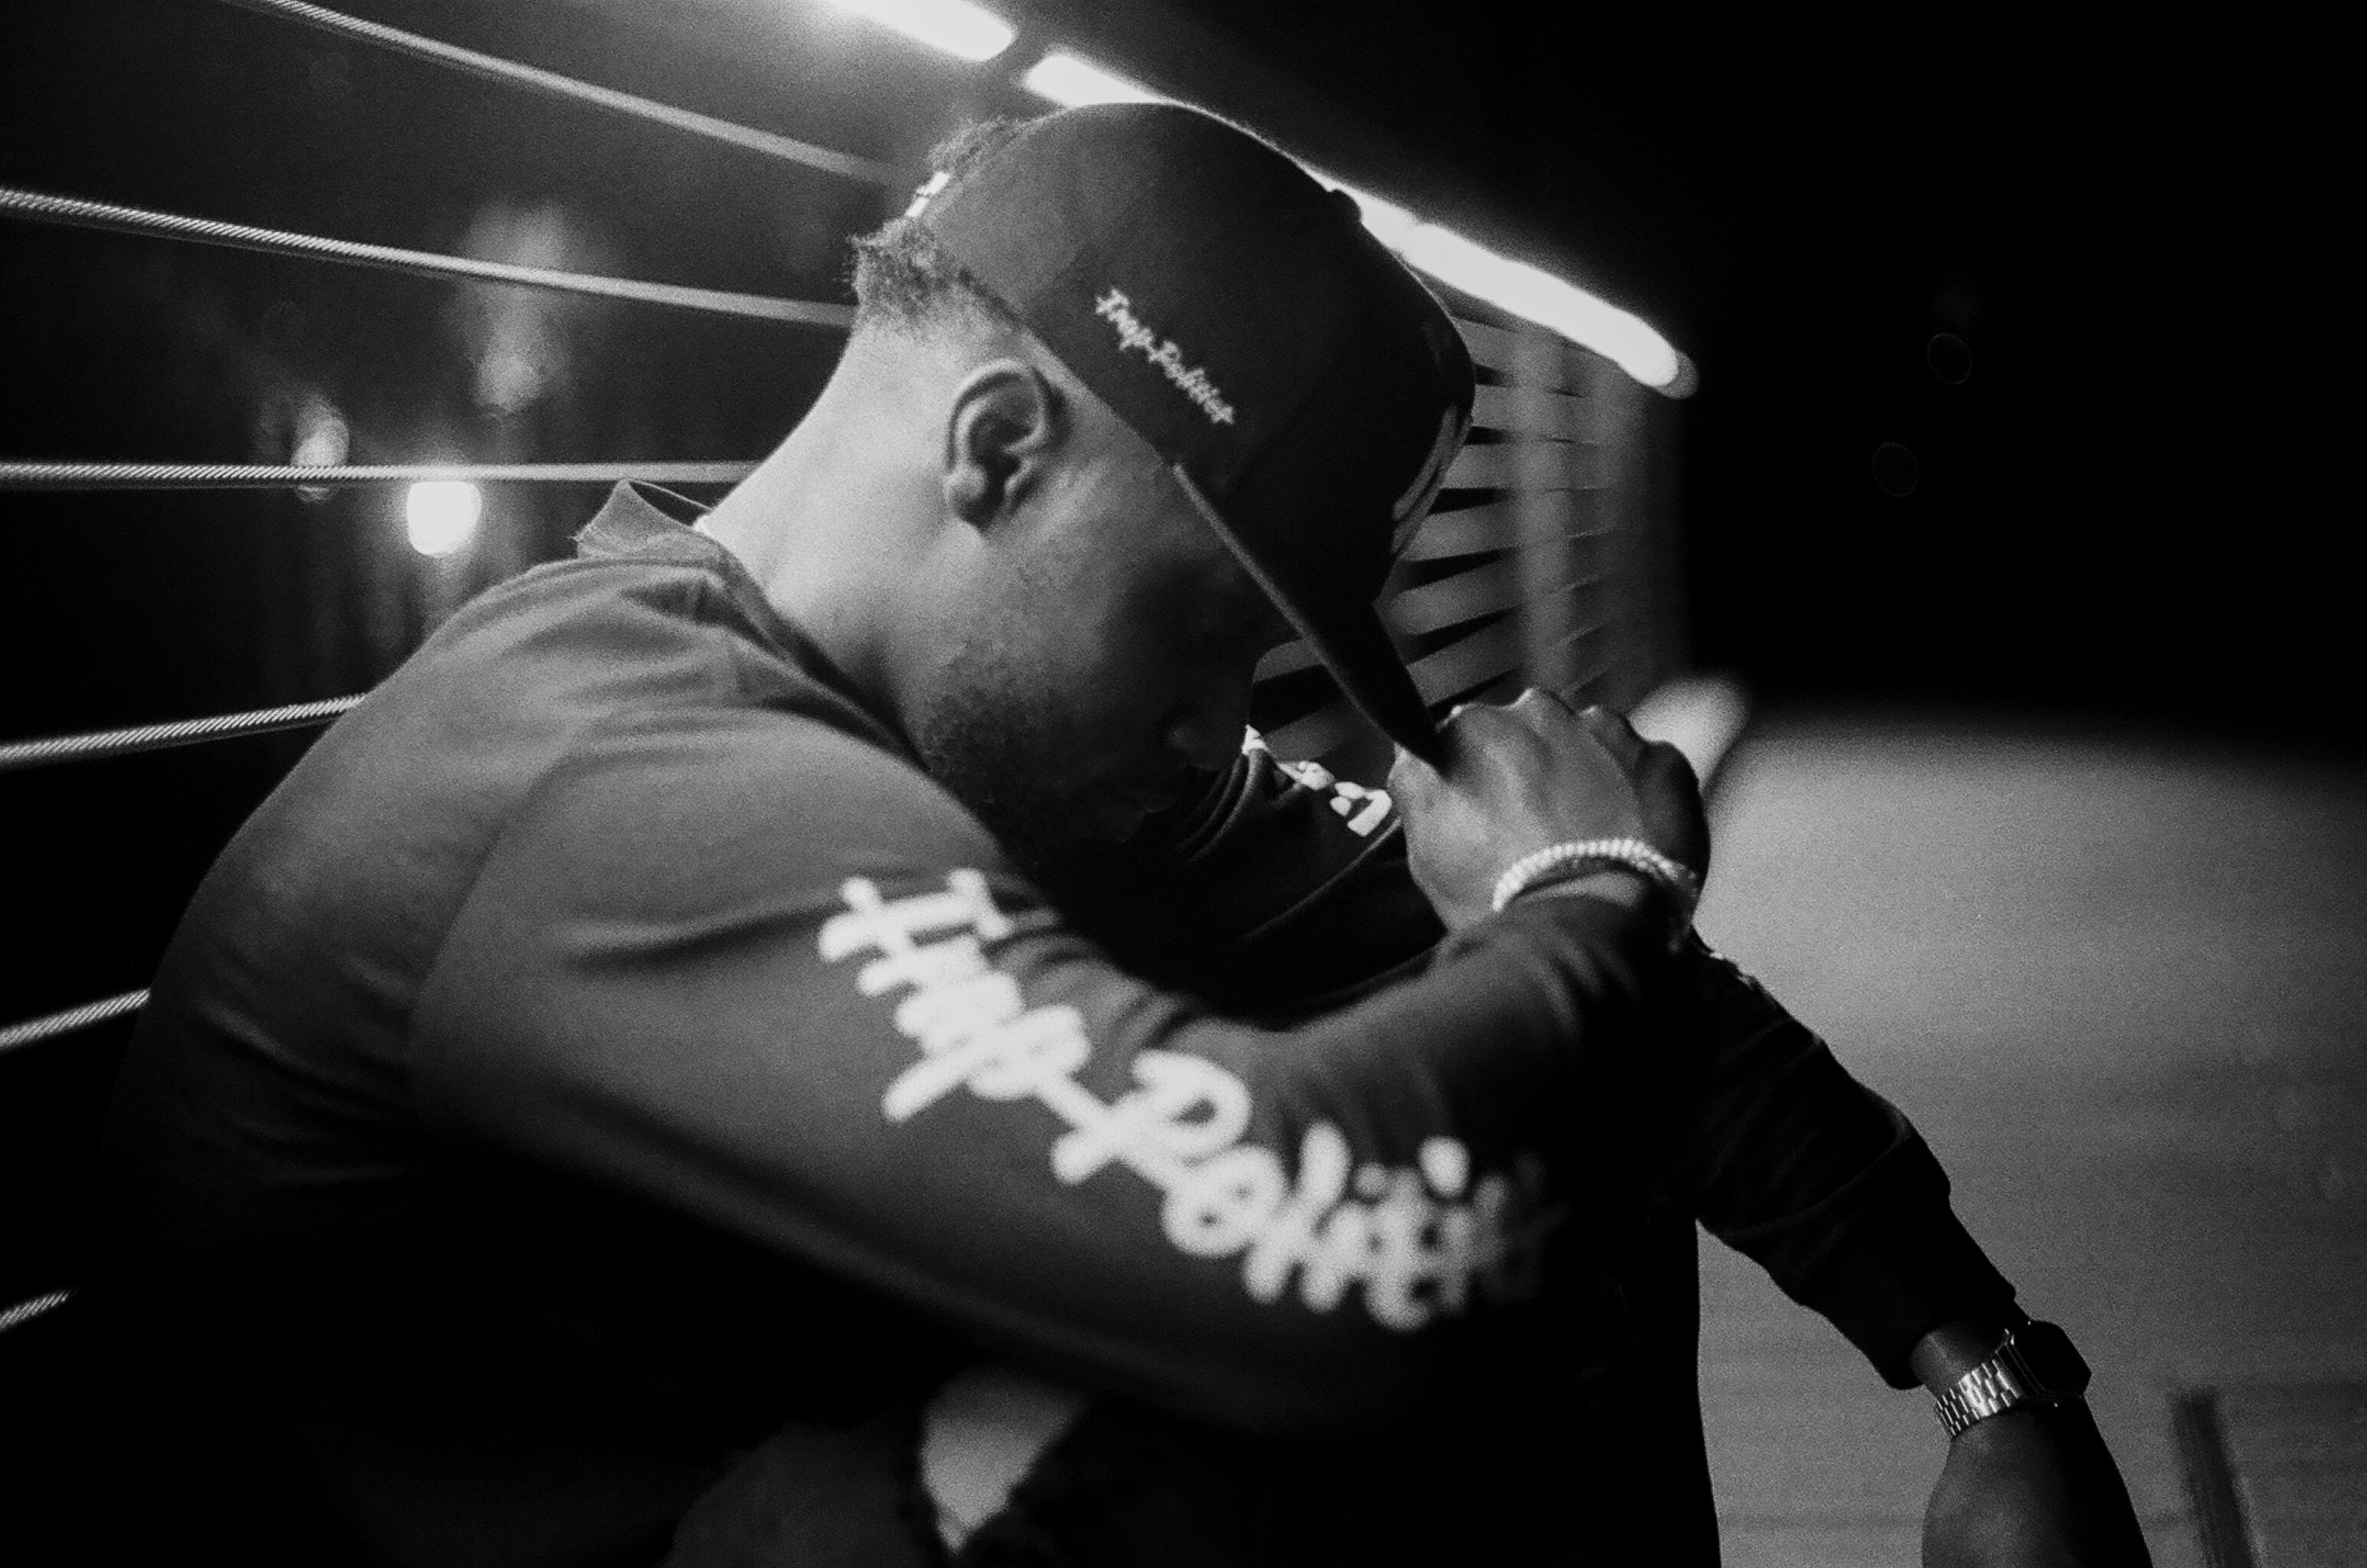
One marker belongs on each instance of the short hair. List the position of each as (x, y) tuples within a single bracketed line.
[(904, 280)]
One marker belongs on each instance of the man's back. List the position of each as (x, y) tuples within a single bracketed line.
[(426, 1338)]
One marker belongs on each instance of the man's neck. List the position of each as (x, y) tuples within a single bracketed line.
[(831, 525)]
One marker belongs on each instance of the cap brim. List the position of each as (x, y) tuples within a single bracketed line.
[(1346, 634)]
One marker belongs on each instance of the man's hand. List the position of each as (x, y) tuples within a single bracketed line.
[(1520, 778), (2034, 1487), (1673, 820)]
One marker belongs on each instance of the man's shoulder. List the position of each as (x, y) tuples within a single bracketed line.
[(618, 623), (634, 694), (745, 794), (639, 708), (529, 669)]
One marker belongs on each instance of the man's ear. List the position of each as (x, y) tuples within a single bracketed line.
[(1005, 421)]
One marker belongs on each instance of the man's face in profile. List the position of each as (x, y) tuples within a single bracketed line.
[(1102, 661)]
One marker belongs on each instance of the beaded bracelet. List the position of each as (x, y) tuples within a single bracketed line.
[(1558, 862)]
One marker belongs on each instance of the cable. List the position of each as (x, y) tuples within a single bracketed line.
[(86, 748), (25, 1312), (67, 1023), (19, 475), (550, 82), (74, 212)]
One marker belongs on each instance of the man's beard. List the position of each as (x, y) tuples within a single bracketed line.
[(988, 735)]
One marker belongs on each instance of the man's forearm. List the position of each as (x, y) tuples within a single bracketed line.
[(1786, 1157), (1272, 904)]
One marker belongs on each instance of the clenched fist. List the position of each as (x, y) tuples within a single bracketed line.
[(1521, 777)]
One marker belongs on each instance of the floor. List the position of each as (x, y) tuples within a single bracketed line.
[(2123, 990)]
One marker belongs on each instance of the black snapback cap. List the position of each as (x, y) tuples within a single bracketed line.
[(1307, 391)]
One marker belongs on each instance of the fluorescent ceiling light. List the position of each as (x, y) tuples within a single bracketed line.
[(1528, 292), (957, 27), (1070, 81), (1533, 294)]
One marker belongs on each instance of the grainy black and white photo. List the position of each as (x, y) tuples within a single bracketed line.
[(1175, 784)]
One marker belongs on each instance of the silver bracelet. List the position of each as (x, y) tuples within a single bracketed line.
[(1559, 862)]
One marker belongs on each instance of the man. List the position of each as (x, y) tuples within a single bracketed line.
[(663, 1014), (1775, 1148)]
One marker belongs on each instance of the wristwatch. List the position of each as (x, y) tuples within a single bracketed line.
[(2036, 1365)]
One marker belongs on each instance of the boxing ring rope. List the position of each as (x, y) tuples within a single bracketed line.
[(56, 749), (556, 86), (25, 1312), (22, 755), (40, 207), (43, 476), (114, 218), (83, 1017)]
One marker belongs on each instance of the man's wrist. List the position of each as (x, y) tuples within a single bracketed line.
[(1957, 1346), (1620, 884), (1576, 857), (2033, 1364)]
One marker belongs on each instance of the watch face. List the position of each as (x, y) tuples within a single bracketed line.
[(2054, 1363)]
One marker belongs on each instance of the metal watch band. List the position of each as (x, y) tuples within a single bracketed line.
[(2035, 1364), (1987, 1390)]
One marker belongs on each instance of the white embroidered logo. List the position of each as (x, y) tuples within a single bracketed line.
[(1192, 381), (1420, 1241)]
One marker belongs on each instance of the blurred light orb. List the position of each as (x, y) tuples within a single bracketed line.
[(323, 439), (1895, 469), (441, 516), (1950, 358)]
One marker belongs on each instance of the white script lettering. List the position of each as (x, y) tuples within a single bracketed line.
[(1420, 1240), (1190, 380)]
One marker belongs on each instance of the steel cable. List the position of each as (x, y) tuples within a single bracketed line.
[(123, 742), (25, 1312), (557, 86), (74, 212), (57, 749), (27, 475), (67, 1023)]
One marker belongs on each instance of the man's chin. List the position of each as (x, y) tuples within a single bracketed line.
[(986, 748), (1052, 842), (1109, 821), (1062, 857)]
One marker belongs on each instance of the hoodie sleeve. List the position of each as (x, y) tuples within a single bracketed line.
[(760, 973), (1285, 890)]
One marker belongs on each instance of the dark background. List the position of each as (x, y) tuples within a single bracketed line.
[(2114, 513), (2120, 219), (2127, 515)]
